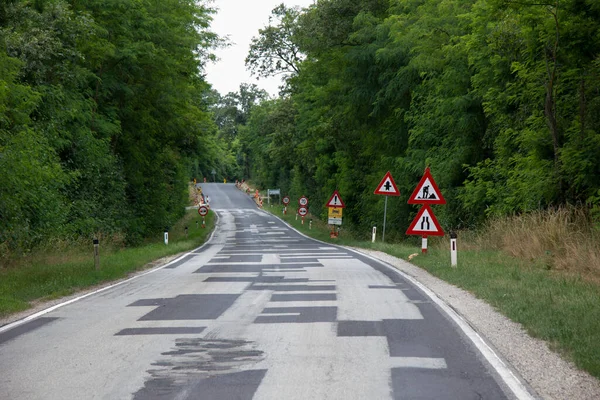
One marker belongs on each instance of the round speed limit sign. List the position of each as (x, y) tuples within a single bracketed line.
[(302, 211), (202, 210), (286, 200), (303, 201)]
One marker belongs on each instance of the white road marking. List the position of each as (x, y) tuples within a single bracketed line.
[(289, 314), (418, 362)]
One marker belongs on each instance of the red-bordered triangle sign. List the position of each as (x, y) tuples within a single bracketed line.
[(427, 191), (336, 200), (425, 224), (387, 186)]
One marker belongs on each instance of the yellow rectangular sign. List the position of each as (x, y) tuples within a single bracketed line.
[(335, 212)]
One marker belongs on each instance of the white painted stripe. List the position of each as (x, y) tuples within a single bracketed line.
[(311, 255), (275, 284), (249, 263), (290, 314), (280, 271), (320, 303), (418, 362)]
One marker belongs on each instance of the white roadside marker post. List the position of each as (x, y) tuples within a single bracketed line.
[(453, 250), (374, 234), (166, 235), (424, 245), (97, 254)]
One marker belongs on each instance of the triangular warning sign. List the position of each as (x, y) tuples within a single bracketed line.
[(427, 191), (387, 186), (336, 200), (425, 224)]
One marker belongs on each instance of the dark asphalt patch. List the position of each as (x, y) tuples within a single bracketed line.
[(187, 306), (303, 296), (360, 328), (293, 288), (204, 369), (236, 258), (408, 289), (179, 262), (25, 328), (298, 260), (234, 269), (173, 330), (203, 249), (431, 384), (261, 279)]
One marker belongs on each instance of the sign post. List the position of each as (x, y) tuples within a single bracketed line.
[(203, 210), (336, 206), (386, 187), (453, 250), (273, 192), (97, 254), (425, 223), (285, 201), (302, 210)]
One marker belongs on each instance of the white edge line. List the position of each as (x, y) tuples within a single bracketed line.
[(57, 306), (506, 374)]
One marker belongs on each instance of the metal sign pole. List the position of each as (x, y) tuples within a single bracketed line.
[(384, 217)]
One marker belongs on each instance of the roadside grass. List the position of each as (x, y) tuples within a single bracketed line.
[(58, 271), (553, 300)]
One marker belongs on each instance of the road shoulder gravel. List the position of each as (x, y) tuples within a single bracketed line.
[(544, 370)]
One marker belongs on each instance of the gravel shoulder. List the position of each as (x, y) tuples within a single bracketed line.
[(543, 370)]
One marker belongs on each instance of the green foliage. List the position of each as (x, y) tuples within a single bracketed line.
[(107, 110), (499, 98), (275, 50)]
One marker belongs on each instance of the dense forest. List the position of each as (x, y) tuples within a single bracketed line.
[(104, 117), (500, 98), (105, 114)]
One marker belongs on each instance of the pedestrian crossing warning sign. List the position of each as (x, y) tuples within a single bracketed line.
[(425, 224), (387, 186), (427, 191)]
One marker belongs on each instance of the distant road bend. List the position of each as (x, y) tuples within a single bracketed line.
[(259, 312)]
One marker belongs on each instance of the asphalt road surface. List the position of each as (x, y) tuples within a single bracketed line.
[(260, 312)]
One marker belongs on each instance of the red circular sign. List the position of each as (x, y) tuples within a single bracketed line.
[(202, 210), (302, 211), (286, 200), (303, 201)]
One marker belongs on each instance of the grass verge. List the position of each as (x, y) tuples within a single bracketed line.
[(55, 273), (559, 306)]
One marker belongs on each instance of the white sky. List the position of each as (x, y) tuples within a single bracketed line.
[(241, 20)]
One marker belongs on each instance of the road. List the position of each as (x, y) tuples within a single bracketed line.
[(259, 312)]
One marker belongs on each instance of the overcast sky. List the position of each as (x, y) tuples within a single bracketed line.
[(241, 20)]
